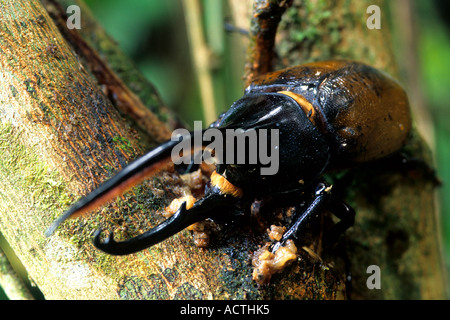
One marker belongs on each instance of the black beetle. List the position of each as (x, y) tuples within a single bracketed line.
[(329, 115)]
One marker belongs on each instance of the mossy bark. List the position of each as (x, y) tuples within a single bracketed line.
[(61, 136)]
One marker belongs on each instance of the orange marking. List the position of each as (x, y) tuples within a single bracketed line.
[(176, 204), (306, 106), (225, 186)]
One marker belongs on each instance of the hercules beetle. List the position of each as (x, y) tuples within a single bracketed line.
[(330, 115)]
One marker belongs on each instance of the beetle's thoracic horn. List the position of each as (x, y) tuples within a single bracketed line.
[(134, 173)]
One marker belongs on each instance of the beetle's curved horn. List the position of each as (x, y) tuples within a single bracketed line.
[(202, 209), (134, 173)]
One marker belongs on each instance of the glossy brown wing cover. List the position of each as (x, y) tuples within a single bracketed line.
[(363, 112)]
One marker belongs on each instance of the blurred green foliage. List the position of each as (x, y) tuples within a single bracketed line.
[(153, 34), (434, 52), (2, 295)]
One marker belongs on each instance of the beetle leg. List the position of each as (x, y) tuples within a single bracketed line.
[(321, 198), (204, 208), (345, 213)]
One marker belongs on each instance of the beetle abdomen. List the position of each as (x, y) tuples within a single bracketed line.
[(365, 112)]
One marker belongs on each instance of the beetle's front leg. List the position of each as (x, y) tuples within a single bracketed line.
[(273, 259), (322, 200), (345, 213), (270, 260), (322, 196)]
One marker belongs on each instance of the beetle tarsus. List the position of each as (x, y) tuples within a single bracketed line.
[(321, 198)]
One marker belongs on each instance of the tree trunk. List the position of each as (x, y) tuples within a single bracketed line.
[(67, 122), (60, 137)]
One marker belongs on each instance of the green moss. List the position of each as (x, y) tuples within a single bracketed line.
[(28, 183), (188, 292), (125, 145), (309, 24)]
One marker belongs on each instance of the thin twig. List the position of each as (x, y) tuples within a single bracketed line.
[(10, 281), (266, 16), (200, 54)]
